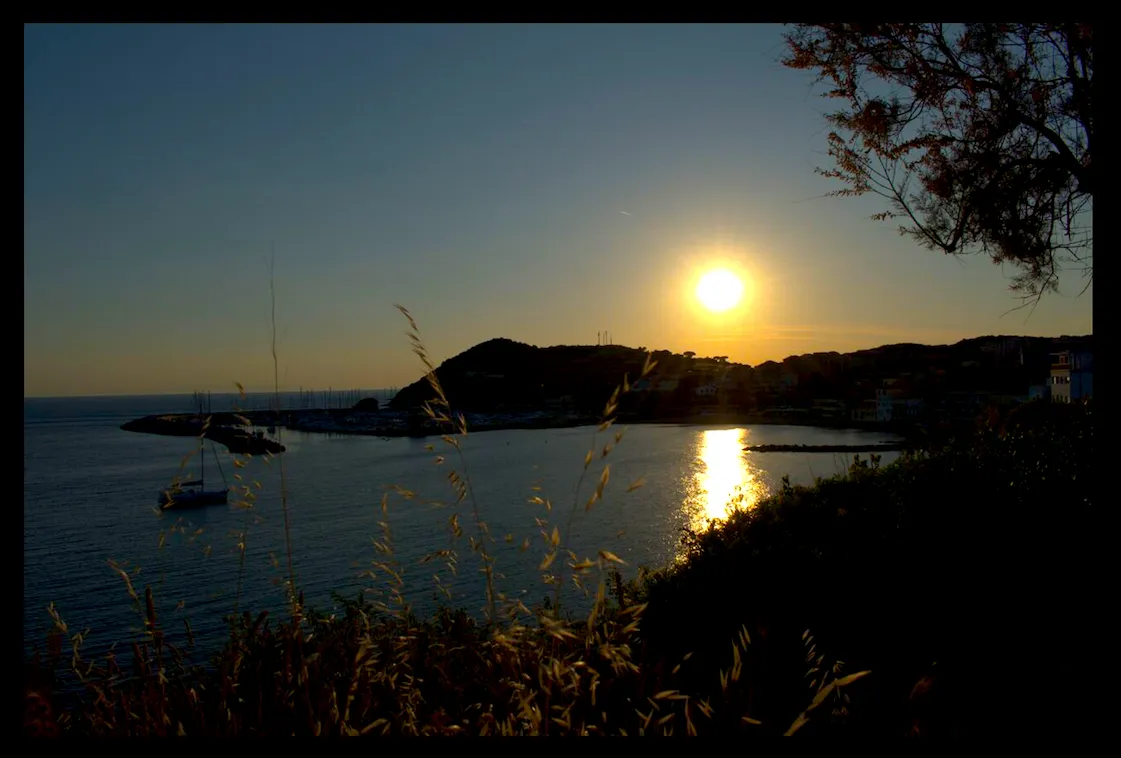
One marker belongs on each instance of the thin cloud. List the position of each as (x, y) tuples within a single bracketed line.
[(857, 330), (624, 213), (834, 332)]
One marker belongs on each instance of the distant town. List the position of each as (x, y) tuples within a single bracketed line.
[(881, 386), (502, 384)]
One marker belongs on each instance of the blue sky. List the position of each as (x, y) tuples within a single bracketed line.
[(477, 174)]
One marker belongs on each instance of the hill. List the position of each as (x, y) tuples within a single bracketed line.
[(504, 375), (501, 374)]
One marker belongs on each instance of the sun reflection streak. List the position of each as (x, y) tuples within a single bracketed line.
[(723, 478)]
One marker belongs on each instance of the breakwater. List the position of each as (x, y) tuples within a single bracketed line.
[(229, 428), (880, 448), (237, 440)]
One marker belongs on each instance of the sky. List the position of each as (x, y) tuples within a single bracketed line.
[(540, 183)]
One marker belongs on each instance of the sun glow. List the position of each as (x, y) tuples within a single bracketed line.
[(719, 290)]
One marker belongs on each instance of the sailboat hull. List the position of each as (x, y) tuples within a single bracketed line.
[(194, 493), (193, 498)]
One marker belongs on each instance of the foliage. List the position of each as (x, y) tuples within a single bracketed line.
[(367, 405), (902, 572), (976, 555), (982, 140)]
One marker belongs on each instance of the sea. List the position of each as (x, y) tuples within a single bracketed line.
[(93, 536)]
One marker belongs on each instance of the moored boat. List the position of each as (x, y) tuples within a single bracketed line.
[(193, 494)]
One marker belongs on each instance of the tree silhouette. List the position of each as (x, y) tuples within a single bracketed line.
[(981, 140)]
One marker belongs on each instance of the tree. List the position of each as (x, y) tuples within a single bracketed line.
[(367, 405), (981, 140), (689, 354)]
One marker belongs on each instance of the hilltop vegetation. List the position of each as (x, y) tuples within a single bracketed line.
[(501, 374)]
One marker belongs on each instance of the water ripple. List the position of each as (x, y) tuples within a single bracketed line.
[(90, 489)]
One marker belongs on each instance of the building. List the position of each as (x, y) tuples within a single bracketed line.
[(906, 408), (706, 390), (888, 397), (866, 411), (1072, 376), (1060, 377), (892, 405), (1082, 376)]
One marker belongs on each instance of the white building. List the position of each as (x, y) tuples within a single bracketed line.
[(886, 397), (892, 403), (1072, 376)]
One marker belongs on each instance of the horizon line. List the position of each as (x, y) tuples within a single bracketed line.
[(109, 395), (388, 389)]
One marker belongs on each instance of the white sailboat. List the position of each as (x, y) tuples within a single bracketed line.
[(194, 493)]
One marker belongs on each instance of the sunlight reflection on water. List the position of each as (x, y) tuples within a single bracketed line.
[(724, 477)]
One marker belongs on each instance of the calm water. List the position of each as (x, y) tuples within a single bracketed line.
[(90, 491)]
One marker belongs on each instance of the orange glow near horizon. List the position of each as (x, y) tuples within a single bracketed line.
[(721, 301)]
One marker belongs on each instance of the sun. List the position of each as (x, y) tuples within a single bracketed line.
[(719, 290)]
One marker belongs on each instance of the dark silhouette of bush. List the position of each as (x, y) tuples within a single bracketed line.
[(967, 565), (952, 584), (367, 405)]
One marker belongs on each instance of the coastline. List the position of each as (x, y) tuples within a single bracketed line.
[(227, 426)]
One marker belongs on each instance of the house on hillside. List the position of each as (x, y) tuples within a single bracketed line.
[(866, 411), (1072, 376), (895, 400), (706, 390), (893, 406), (886, 394), (1061, 376)]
